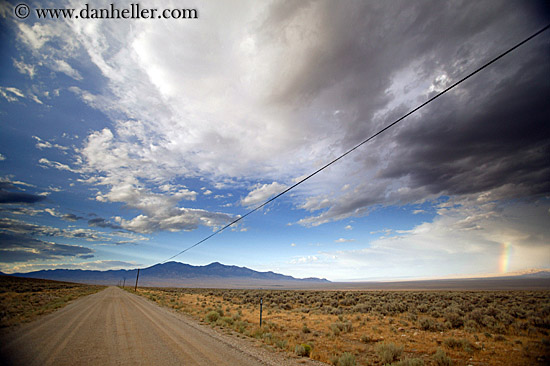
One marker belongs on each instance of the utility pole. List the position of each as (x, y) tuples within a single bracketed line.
[(137, 278)]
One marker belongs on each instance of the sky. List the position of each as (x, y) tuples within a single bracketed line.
[(126, 141)]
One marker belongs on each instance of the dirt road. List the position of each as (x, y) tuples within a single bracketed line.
[(114, 327)]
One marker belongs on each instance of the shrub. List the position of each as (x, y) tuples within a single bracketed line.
[(338, 327), (388, 352), (428, 324), (347, 359), (240, 326), (467, 345), (470, 326), (225, 321), (303, 350), (281, 343), (258, 333), (367, 339), (459, 343), (441, 358), (454, 319), (452, 343), (212, 316)]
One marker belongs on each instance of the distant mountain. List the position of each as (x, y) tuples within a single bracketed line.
[(178, 275), (536, 274)]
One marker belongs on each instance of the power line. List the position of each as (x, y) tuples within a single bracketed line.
[(364, 142)]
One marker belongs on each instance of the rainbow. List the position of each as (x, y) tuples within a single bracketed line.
[(505, 257)]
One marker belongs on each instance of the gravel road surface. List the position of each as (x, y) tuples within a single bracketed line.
[(114, 327)]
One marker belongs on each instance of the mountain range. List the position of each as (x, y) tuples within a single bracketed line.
[(176, 274), (217, 275)]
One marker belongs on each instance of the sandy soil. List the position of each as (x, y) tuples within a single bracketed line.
[(114, 327)]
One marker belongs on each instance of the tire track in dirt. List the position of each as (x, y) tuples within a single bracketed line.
[(172, 337)]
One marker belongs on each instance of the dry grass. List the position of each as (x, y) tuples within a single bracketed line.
[(23, 299), (379, 327)]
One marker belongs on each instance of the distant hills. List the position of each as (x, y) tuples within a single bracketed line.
[(535, 274), (178, 274), (217, 275)]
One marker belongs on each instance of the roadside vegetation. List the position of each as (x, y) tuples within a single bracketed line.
[(405, 328), (24, 299)]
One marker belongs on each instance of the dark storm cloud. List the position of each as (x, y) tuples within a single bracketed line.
[(71, 217), (8, 196), (100, 222), (19, 227), (25, 228), (6, 185), (496, 134), (491, 134), (86, 256), (22, 248), (19, 197), (363, 44)]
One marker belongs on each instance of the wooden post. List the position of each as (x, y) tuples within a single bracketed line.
[(261, 303), (124, 283), (137, 278)]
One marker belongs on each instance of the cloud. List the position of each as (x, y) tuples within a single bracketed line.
[(175, 219), (100, 222), (261, 193), (71, 217), (22, 248), (19, 197), (468, 236), (7, 196), (383, 231), (20, 227), (230, 108), (10, 209), (24, 68), (11, 94), (35, 36), (41, 144), (86, 256), (64, 67), (161, 211), (101, 265), (45, 163), (428, 159), (342, 240), (303, 260), (67, 217), (131, 237)]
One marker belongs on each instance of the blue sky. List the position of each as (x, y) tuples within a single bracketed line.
[(124, 142)]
